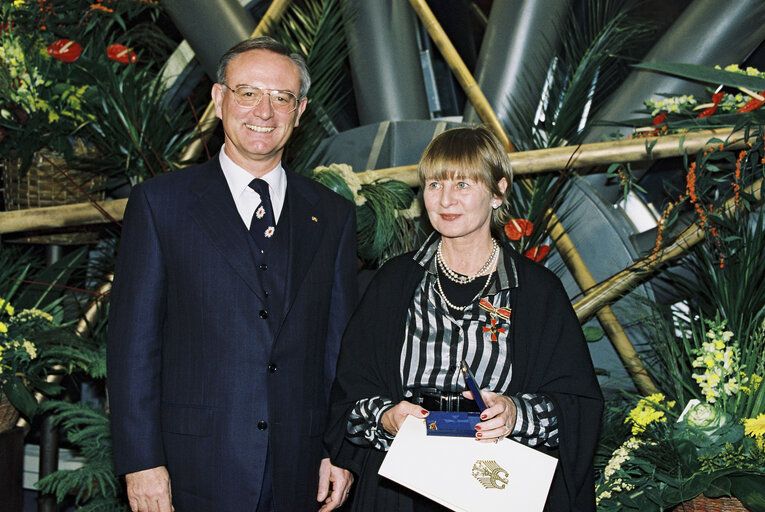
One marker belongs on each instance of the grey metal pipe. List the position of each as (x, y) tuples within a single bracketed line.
[(211, 27), (385, 63), (520, 41)]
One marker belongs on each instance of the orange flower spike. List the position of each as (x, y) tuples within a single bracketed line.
[(100, 7)]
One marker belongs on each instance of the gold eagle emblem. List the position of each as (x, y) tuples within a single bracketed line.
[(490, 474)]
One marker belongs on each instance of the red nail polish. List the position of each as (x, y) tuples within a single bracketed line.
[(483, 416), (423, 411), (478, 427), (479, 434)]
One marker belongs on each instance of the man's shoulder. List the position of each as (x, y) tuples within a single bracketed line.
[(180, 177)]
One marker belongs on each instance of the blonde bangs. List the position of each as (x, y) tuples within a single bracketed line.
[(452, 159)]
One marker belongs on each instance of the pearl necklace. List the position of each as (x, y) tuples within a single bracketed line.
[(478, 295), (462, 279)]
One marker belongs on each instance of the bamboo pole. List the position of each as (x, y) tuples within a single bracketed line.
[(461, 72), (566, 248), (60, 216), (527, 163), (606, 316), (626, 280), (95, 305), (209, 121)]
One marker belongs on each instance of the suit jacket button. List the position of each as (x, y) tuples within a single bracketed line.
[(262, 425), (271, 368), (263, 266), (263, 314)]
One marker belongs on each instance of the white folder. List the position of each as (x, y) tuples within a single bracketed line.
[(465, 475)]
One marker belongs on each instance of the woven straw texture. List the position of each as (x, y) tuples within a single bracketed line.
[(9, 415), (44, 185), (703, 504)]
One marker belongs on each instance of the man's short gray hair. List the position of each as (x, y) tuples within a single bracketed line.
[(272, 45)]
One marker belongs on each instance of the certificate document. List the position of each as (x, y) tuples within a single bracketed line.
[(465, 475)]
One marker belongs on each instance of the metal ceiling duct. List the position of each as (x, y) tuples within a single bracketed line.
[(385, 62), (210, 27), (520, 41), (707, 32)]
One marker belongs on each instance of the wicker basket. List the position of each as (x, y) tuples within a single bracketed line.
[(703, 504), (44, 185), (9, 415)]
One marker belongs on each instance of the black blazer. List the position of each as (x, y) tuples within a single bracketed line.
[(199, 380), (548, 353)]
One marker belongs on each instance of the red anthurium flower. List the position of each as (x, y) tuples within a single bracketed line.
[(752, 104), (659, 119), (65, 50), (121, 53), (516, 229), (537, 253), (716, 99)]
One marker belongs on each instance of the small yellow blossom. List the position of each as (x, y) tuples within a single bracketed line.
[(3, 327), (6, 307), (30, 348), (755, 427), (645, 413)]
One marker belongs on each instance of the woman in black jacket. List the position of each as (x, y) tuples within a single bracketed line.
[(465, 295)]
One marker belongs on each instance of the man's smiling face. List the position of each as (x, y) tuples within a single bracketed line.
[(255, 137)]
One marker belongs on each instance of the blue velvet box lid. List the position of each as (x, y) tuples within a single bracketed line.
[(459, 424)]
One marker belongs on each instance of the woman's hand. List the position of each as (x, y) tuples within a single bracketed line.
[(393, 418), (498, 418)]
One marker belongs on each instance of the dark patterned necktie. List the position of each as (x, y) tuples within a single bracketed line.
[(262, 226)]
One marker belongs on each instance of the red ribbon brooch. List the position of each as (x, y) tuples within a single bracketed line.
[(503, 313)]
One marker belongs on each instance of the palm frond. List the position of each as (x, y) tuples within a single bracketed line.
[(94, 485), (314, 28)]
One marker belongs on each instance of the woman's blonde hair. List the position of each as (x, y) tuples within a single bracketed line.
[(470, 152)]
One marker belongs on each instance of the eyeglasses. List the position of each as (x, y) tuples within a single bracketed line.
[(281, 101)]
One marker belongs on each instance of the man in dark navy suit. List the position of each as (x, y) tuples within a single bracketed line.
[(235, 279)]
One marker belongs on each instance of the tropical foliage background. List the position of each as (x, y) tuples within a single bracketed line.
[(93, 71)]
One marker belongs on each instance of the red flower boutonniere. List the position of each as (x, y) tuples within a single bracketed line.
[(121, 53), (65, 50), (537, 253), (516, 229)]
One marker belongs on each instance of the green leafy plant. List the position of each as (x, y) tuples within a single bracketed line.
[(715, 446), (35, 342), (88, 70), (386, 212), (315, 29), (581, 75), (94, 485)]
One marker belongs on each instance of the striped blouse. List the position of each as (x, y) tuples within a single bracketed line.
[(438, 338)]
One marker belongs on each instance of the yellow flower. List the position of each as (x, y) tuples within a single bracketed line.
[(35, 313), (6, 306), (644, 413), (18, 3), (30, 348), (755, 427), (3, 327)]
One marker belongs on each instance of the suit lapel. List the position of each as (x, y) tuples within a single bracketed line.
[(305, 233), (214, 210)]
